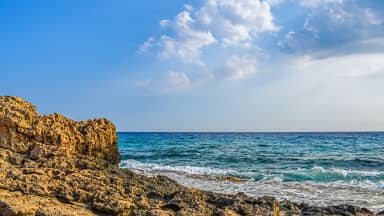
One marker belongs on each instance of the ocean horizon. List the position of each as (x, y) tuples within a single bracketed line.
[(251, 131), (319, 168)]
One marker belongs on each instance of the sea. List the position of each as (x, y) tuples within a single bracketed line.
[(316, 168)]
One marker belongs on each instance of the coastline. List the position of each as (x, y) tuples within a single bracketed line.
[(52, 165), (312, 193), (319, 169)]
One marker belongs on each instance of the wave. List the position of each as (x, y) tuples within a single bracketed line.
[(352, 177), (365, 192), (191, 170), (346, 172), (366, 178)]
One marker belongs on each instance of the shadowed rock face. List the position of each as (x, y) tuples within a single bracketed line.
[(52, 165)]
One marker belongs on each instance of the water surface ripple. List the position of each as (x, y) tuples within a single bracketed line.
[(316, 168)]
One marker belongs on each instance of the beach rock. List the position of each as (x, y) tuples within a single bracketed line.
[(52, 165), (51, 137)]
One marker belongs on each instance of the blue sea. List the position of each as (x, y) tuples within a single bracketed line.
[(315, 168)]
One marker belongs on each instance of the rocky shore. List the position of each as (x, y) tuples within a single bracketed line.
[(52, 165)]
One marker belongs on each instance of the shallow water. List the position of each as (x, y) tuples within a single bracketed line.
[(316, 168)]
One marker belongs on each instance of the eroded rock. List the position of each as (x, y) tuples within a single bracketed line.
[(52, 165)]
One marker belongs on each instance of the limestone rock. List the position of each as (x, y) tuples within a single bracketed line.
[(44, 137), (52, 165)]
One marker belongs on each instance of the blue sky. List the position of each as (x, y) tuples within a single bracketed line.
[(200, 65)]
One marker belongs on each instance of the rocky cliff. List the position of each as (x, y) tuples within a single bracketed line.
[(52, 165)]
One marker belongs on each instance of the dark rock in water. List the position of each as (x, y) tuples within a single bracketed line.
[(51, 165)]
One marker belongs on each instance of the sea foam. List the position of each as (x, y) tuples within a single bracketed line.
[(361, 193), (316, 168), (192, 170)]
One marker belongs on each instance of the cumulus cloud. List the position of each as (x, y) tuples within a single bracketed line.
[(188, 40), (331, 25), (237, 22), (331, 79), (222, 39), (226, 28), (225, 22)]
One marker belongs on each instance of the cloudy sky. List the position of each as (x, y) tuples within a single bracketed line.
[(199, 65)]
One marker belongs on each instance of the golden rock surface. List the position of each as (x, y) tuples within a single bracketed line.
[(52, 165)]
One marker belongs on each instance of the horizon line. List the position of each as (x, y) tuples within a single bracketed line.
[(250, 131)]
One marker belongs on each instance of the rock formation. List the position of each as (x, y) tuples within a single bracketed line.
[(52, 165)]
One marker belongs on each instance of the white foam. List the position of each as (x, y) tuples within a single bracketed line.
[(346, 172), (319, 194), (192, 170), (360, 193)]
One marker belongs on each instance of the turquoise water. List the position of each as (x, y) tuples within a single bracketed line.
[(317, 168)]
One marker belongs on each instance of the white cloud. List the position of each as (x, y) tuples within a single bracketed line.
[(275, 2), (188, 7), (237, 22), (223, 35), (347, 66), (146, 45), (228, 22), (288, 43), (317, 3), (333, 27), (188, 40), (164, 23), (221, 27), (308, 27), (372, 18), (178, 80), (338, 93), (168, 47), (240, 67), (340, 12)]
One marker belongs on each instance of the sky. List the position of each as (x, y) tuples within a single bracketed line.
[(199, 65)]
